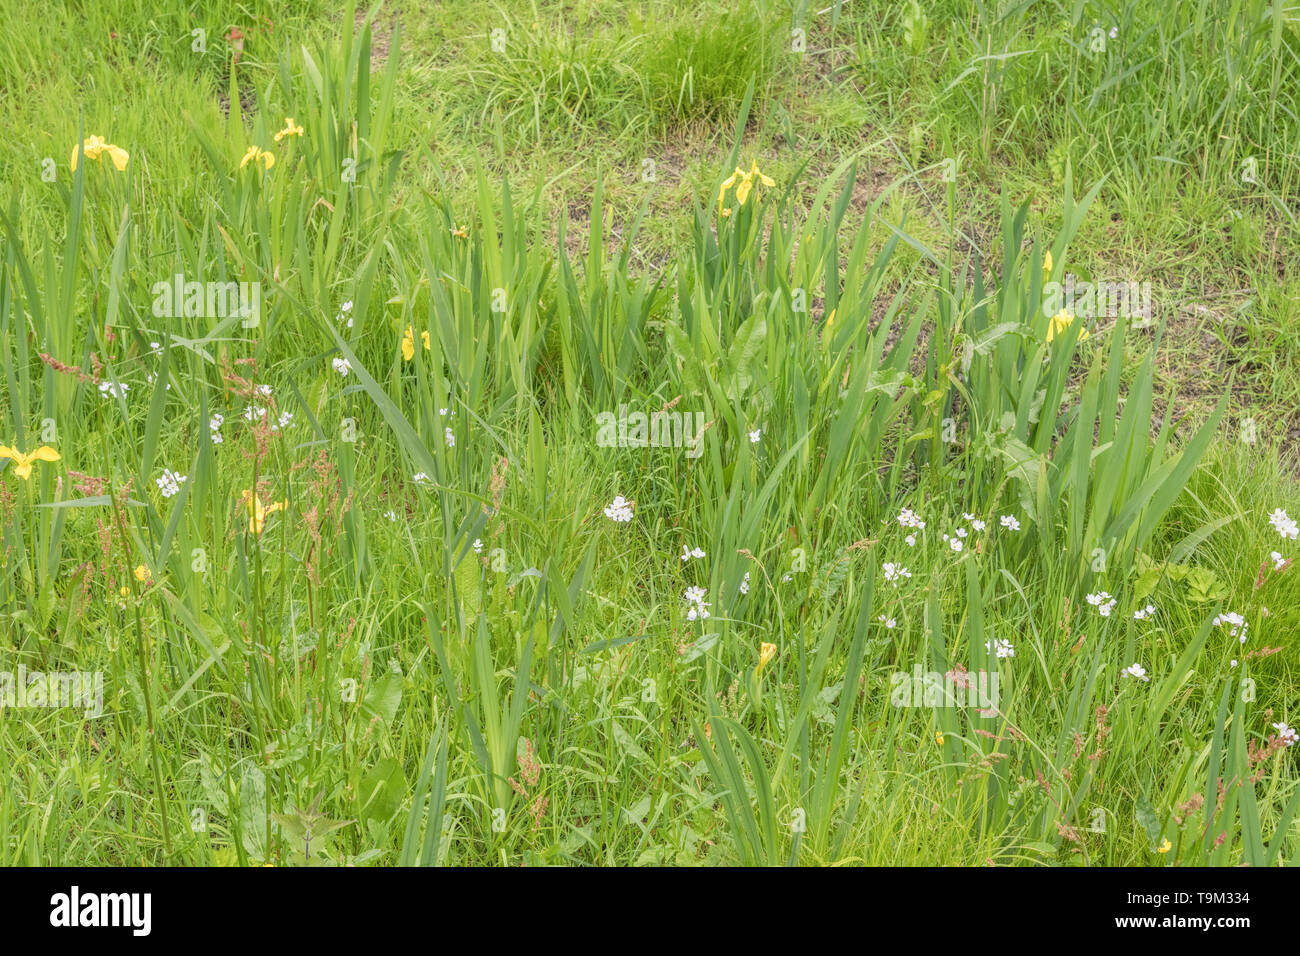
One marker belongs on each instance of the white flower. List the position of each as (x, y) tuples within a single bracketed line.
[(889, 622), (1232, 663), (344, 315), (620, 509), (214, 428), (478, 546), (785, 578), (264, 390), (442, 411), (1114, 32), (910, 540), (113, 389), (696, 609), (449, 437), (390, 515), (286, 419), (1141, 614), (1000, 647), (954, 543), (975, 522), (1236, 623), (755, 435), (1278, 561), (1136, 670), (169, 483), (1009, 522), (341, 365), (908, 519), (744, 584), (421, 478), (1287, 733), (688, 553), (1103, 602), (1286, 526), (961, 532), (894, 572)]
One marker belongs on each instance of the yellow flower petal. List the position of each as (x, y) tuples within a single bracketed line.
[(742, 191), (119, 156), (45, 453)]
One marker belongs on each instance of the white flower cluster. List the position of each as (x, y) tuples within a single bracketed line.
[(169, 483), (1236, 623), (620, 509), (1103, 602), (1286, 526), (696, 608)]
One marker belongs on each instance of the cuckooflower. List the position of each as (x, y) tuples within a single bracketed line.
[(23, 463), (619, 510)]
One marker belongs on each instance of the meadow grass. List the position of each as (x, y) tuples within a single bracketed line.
[(382, 572)]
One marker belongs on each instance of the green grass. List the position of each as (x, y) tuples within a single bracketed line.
[(440, 649)]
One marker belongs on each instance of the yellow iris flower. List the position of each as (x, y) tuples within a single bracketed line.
[(1060, 322), (1047, 263), (94, 148), (290, 129), (765, 654), (142, 573), (23, 463), (257, 154), (408, 343), (258, 512), (744, 183)]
